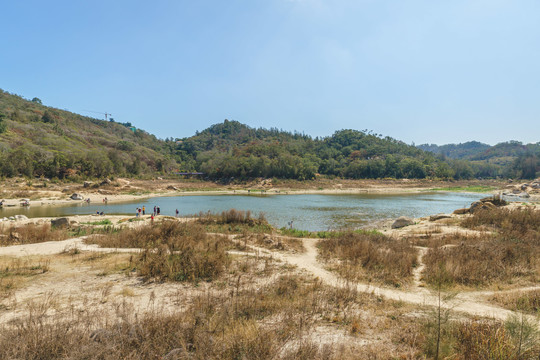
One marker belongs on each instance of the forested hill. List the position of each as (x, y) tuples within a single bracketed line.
[(233, 150), (513, 158), (36, 140), (474, 150)]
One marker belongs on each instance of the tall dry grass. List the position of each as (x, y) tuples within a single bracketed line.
[(370, 255), (235, 221), (273, 321), (172, 251), (512, 252), (30, 234)]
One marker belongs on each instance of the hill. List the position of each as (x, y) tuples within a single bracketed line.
[(234, 150), (36, 140), (510, 159)]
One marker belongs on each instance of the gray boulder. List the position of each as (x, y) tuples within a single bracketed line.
[(524, 195), (60, 222), (439, 217), (402, 221), (87, 184), (76, 197), (21, 217)]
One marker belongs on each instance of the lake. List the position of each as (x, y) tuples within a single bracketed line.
[(307, 212)]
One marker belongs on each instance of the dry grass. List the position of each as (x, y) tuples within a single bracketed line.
[(30, 234), (512, 253), (526, 301), (234, 221), (172, 251), (14, 272), (273, 321), (370, 256)]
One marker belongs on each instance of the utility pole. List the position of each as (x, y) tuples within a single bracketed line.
[(99, 112)]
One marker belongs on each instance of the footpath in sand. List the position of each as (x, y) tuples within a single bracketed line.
[(470, 303)]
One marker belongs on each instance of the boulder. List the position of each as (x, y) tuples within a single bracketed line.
[(524, 195), (76, 197), (170, 187), (478, 205), (461, 211), (524, 187), (402, 221), (106, 182), (87, 184), (21, 217), (60, 222), (439, 217)]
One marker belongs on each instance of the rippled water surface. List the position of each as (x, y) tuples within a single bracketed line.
[(309, 212)]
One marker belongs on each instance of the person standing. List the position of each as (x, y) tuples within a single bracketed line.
[(177, 212), (154, 210), (144, 210), (158, 210)]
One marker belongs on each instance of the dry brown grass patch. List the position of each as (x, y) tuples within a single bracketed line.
[(371, 256), (30, 234)]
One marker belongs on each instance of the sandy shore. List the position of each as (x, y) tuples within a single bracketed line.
[(123, 190)]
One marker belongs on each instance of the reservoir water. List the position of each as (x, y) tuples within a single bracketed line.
[(307, 212)]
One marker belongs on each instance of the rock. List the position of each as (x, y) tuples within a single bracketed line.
[(76, 197), (160, 178), (478, 205), (170, 187), (516, 191), (439, 217), (495, 200), (21, 217), (524, 186), (15, 237), (87, 184), (461, 211), (60, 222), (268, 240), (106, 182), (524, 195), (12, 218), (100, 335), (402, 221)]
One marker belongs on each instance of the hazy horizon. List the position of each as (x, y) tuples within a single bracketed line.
[(419, 71)]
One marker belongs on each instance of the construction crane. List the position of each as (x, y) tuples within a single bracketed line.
[(99, 112)]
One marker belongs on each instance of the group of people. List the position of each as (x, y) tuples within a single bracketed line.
[(140, 211)]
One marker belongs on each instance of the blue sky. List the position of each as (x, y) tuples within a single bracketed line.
[(419, 71)]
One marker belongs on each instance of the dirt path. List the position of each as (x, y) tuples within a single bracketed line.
[(472, 303)]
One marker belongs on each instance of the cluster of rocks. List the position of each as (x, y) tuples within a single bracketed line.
[(523, 190), (487, 203), (14, 218)]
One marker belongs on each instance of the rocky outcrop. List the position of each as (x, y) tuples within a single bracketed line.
[(76, 197), (439, 217), (402, 221), (60, 223), (87, 184)]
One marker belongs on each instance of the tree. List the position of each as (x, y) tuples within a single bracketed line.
[(3, 125), (47, 117), (37, 101)]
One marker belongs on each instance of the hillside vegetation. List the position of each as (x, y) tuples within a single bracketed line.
[(36, 140), (508, 159)]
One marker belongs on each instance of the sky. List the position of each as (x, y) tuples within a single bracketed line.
[(419, 71)]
